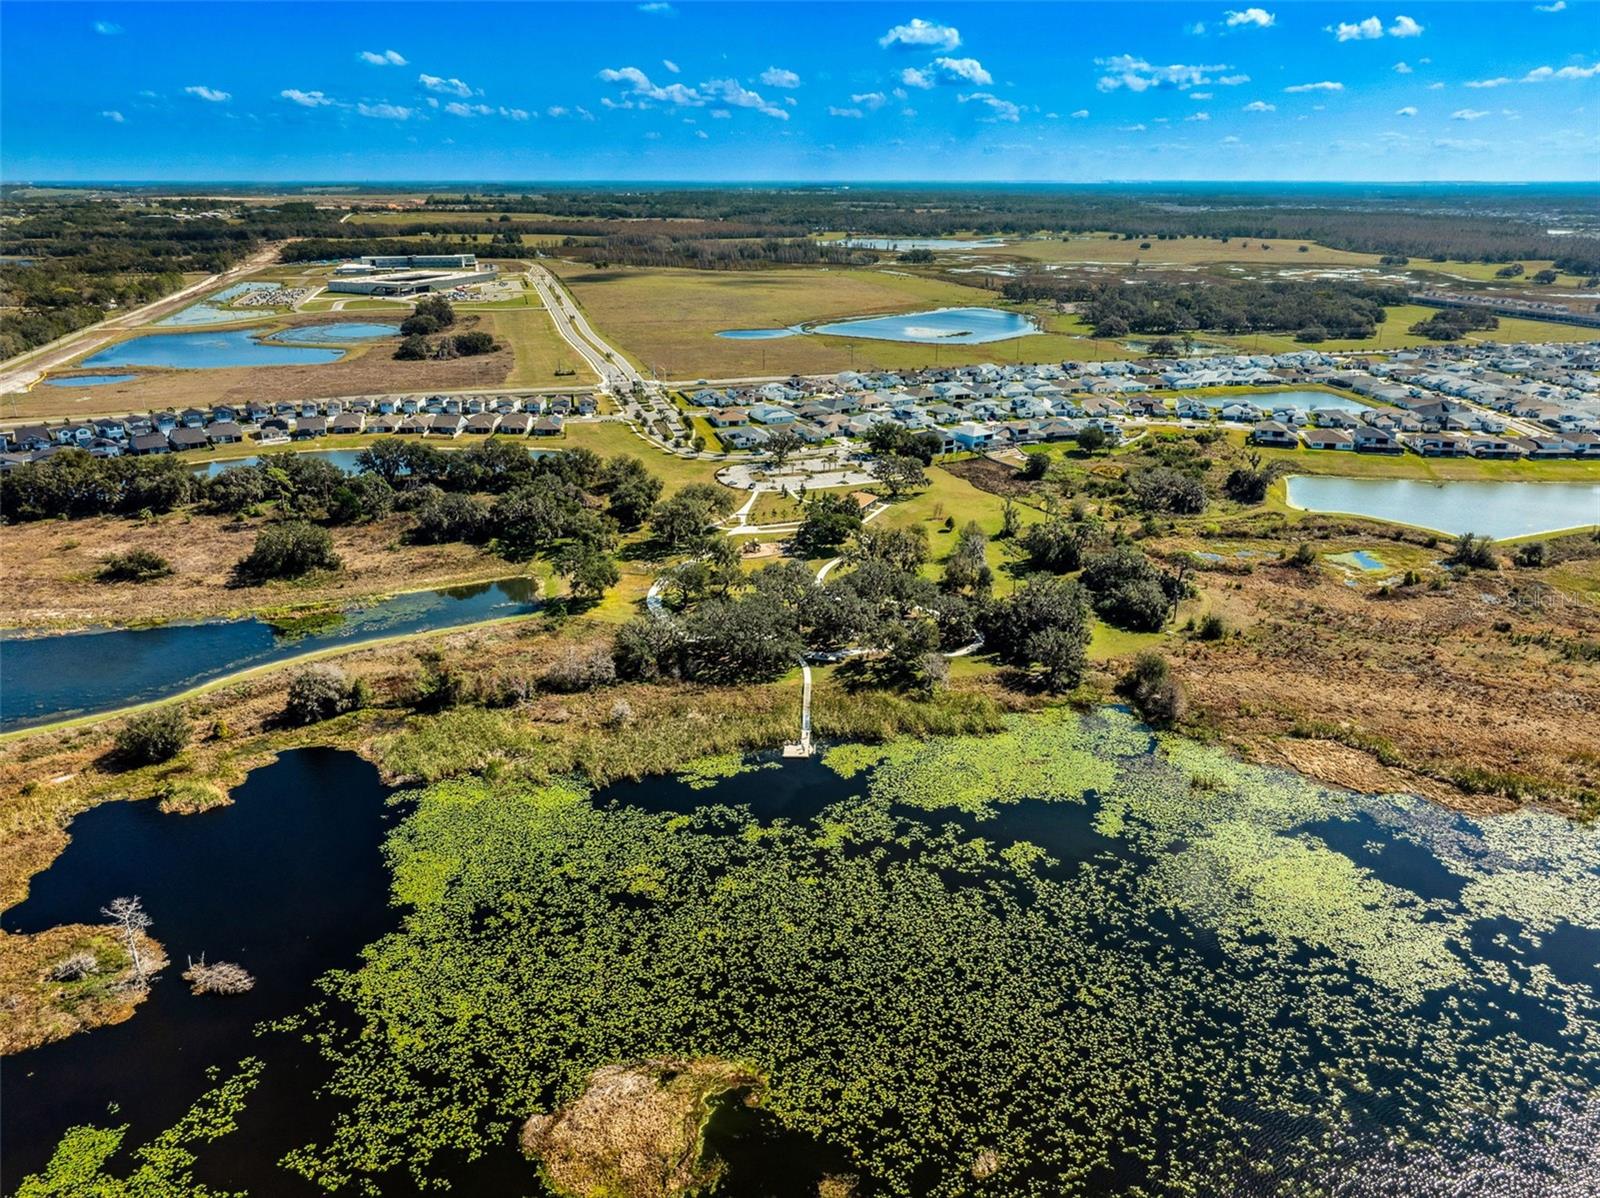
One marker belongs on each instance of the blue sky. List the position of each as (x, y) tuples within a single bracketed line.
[(838, 91)]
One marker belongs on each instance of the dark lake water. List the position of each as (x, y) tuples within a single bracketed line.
[(78, 673), (288, 881)]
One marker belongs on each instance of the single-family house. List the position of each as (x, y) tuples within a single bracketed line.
[(1270, 432), (1327, 438)]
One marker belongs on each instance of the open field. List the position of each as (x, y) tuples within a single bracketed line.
[(541, 358), (667, 319), (1097, 249)]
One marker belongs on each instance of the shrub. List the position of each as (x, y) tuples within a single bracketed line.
[(320, 692), (1303, 556), (1473, 552), (580, 669), (1129, 591), (75, 968), (413, 349), (1161, 489), (136, 565), (1035, 466), (474, 343), (1211, 628), (1153, 691), (288, 550), (152, 737), (1532, 555)]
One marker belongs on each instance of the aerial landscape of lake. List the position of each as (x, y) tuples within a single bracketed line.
[(211, 310), (58, 675), (1498, 509), (954, 326), (202, 351), (1355, 981)]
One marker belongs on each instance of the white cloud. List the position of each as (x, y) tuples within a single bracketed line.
[(1230, 140), (920, 33), (702, 135), (383, 58), (445, 87), (639, 85), (721, 114), (671, 66), (457, 108), (1558, 6), (731, 91), (1436, 87), (657, 8), (1130, 128), (968, 70), (1402, 68), (1405, 27), (1258, 17), (1325, 85), (1544, 74), (854, 114), (869, 100), (306, 99), (555, 110), (1356, 31), (385, 112), (1468, 114), (1080, 114), (1198, 116), (912, 77), (1138, 75), (1260, 106), (1200, 96), (209, 94), (999, 110), (1469, 145), (1497, 81), (779, 77), (1408, 110), (107, 29), (112, 115)]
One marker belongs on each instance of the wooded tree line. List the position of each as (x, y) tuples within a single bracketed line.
[(1337, 310), (1487, 226)]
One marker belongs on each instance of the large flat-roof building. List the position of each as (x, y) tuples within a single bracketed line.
[(408, 274)]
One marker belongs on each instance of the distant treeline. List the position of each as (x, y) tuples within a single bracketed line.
[(631, 248), (1490, 226), (1318, 311)]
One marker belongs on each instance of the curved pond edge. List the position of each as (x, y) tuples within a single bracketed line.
[(251, 672), (1566, 530)]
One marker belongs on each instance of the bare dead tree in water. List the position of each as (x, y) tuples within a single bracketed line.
[(129, 916)]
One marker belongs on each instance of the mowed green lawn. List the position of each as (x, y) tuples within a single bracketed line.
[(540, 350), (667, 320)]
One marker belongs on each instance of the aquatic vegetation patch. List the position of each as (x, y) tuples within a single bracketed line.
[(705, 772)]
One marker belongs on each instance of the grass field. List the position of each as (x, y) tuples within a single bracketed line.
[(538, 350), (667, 320), (1098, 249)]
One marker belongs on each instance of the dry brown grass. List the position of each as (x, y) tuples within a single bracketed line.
[(49, 580), (635, 1131), (1466, 695), (38, 1009)]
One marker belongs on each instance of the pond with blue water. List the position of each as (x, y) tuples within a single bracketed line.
[(758, 334), (213, 309), (61, 675), (209, 351), (1098, 960), (1500, 509), (1301, 401), (349, 330), (91, 380)]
